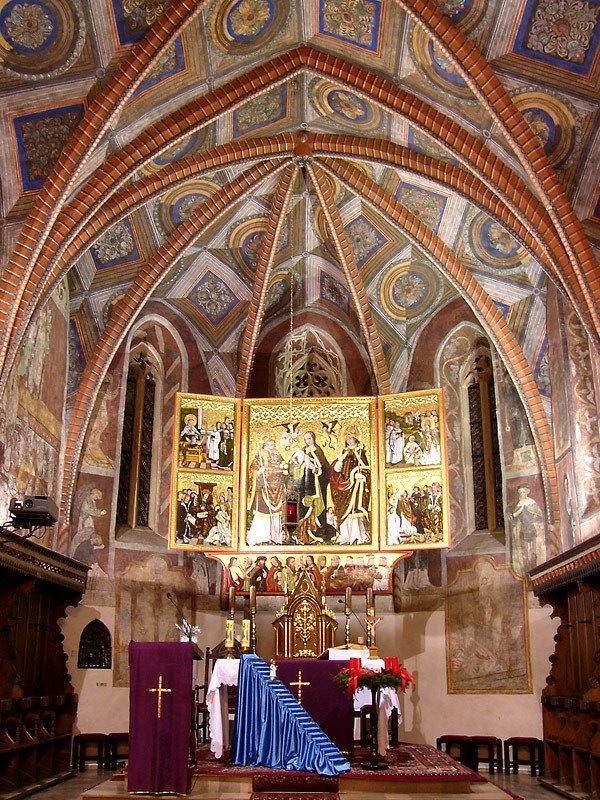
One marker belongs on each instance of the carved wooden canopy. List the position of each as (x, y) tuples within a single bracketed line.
[(304, 627)]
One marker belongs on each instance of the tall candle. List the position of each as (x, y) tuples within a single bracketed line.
[(348, 599), (245, 634), (232, 598), (229, 633), (253, 598)]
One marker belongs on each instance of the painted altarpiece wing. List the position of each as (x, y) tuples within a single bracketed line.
[(414, 497), (205, 462)]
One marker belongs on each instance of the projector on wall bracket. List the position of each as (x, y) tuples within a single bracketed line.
[(33, 510)]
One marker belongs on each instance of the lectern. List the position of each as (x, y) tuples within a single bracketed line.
[(161, 704)]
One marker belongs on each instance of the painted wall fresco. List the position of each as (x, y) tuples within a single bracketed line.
[(487, 635), (31, 412)]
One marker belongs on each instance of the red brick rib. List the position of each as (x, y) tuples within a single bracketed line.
[(478, 74), (266, 256), (357, 290)]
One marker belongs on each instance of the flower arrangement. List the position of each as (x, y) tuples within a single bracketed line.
[(189, 632), (393, 676)]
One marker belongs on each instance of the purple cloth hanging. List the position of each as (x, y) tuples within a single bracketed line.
[(159, 747)]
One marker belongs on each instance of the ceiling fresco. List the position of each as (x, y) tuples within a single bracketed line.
[(367, 161)]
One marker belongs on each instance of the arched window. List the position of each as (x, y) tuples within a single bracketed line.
[(307, 367), (95, 649), (465, 368), (485, 447), (135, 475)]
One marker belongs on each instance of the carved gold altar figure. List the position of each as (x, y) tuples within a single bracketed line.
[(304, 627)]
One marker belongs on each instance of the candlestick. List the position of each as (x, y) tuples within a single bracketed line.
[(245, 635), (253, 598), (348, 599), (232, 598), (253, 631)]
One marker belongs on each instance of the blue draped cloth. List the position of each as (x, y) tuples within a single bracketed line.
[(273, 730)]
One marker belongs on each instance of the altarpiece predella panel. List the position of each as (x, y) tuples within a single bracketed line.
[(204, 487), (414, 497), (267, 486)]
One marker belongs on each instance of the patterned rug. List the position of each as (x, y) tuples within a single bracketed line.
[(407, 762)]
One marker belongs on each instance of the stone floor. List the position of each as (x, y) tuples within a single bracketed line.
[(522, 784)]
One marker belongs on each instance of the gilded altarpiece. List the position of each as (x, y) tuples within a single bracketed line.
[(271, 486)]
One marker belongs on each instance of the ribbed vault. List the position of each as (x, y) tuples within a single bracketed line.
[(264, 176)]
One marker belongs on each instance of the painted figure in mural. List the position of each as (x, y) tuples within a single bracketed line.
[(204, 512), (528, 520), (350, 491), (381, 577), (226, 448), (258, 574), (393, 518), (432, 513), (212, 443), (267, 495), (94, 452), (220, 533), (335, 575), (86, 541), (312, 491), (570, 517), (416, 508), (413, 452), (234, 575), (275, 575), (313, 571), (394, 442), (189, 432), (399, 517), (289, 574), (247, 568), (185, 521)]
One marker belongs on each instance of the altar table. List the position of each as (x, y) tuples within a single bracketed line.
[(225, 673)]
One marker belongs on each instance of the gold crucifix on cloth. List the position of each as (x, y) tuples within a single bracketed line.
[(159, 690), (299, 683)]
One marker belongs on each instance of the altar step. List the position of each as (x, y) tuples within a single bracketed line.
[(294, 796), (229, 788), (286, 786)]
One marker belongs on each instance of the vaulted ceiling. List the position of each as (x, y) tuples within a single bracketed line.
[(368, 160)]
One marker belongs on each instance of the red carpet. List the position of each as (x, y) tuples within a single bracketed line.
[(410, 762)]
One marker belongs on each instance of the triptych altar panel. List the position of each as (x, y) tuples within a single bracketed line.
[(344, 486)]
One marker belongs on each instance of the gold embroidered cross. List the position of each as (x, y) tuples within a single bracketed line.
[(159, 690), (300, 683)]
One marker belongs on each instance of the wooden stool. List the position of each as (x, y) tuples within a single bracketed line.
[(492, 746), (117, 747), (82, 743), (534, 757), (457, 747)]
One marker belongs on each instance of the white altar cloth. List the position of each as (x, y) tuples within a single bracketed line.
[(225, 673)]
